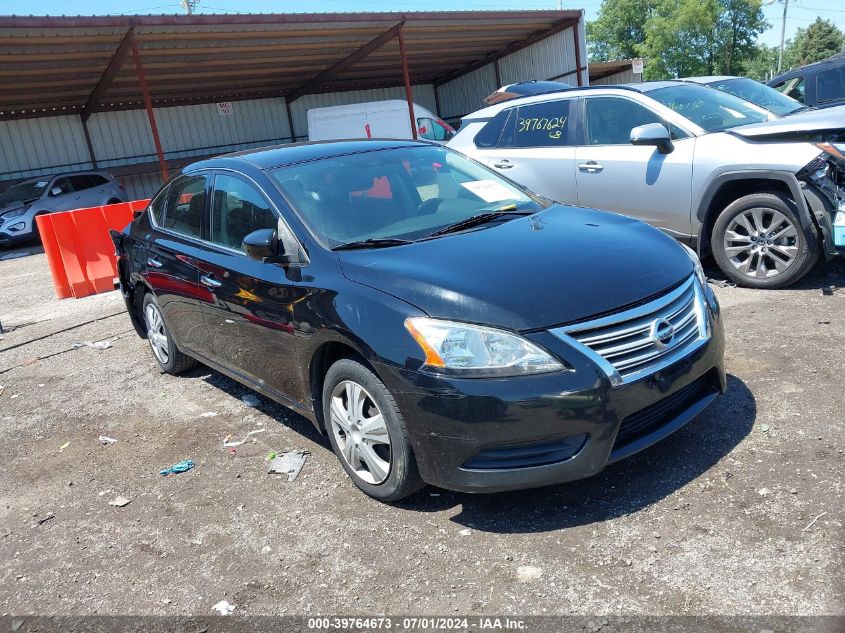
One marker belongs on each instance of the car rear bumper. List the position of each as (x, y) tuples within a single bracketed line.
[(505, 434)]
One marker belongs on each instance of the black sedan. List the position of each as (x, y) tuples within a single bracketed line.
[(438, 322)]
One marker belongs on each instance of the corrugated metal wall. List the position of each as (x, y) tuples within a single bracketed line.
[(28, 147), (422, 94), (550, 58), (625, 77)]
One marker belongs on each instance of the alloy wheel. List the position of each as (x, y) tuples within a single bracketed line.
[(156, 333), (761, 242), (360, 432)]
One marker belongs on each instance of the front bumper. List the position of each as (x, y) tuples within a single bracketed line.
[(575, 418), (7, 236)]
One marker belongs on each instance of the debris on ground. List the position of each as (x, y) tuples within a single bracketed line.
[(465, 532), (208, 414), (105, 344), (828, 290), (227, 442), (764, 428), (250, 400), (289, 463), (223, 607), (120, 501), (44, 520), (2, 389), (64, 446), (813, 522), (528, 573), (179, 467), (105, 439), (721, 283)]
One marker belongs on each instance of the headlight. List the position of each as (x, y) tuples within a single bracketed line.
[(696, 264), (473, 350), (20, 226), (14, 214)]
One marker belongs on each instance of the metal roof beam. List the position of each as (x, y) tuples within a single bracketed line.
[(347, 62), (115, 64)]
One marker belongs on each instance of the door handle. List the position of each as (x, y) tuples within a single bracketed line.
[(210, 282), (152, 262), (590, 167), (503, 164)]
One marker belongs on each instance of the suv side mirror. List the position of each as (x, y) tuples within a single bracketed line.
[(56, 191), (262, 244), (654, 134)]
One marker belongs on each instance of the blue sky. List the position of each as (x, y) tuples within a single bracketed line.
[(801, 12)]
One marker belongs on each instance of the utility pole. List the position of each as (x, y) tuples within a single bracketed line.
[(782, 31)]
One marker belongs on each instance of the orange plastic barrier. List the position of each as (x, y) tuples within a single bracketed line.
[(79, 249)]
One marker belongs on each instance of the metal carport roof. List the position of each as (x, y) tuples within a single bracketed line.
[(80, 65)]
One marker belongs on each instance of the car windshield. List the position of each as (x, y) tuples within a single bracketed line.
[(23, 192), (710, 109), (404, 193), (761, 94)]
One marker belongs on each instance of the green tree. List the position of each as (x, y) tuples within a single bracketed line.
[(738, 25), (619, 29), (818, 41), (763, 64), (680, 38)]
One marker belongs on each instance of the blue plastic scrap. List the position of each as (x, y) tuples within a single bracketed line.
[(180, 467)]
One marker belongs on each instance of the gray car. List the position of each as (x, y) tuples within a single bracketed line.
[(21, 203), (757, 191)]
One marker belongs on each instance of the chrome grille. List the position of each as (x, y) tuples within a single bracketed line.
[(635, 343)]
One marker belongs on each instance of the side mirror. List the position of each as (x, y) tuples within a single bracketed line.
[(654, 134), (56, 191), (262, 244)]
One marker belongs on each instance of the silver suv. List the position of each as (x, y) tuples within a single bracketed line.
[(20, 203), (708, 168)]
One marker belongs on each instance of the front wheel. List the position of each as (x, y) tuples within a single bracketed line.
[(758, 242), (367, 432)]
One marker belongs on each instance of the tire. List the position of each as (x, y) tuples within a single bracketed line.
[(378, 458), (164, 349), (758, 242)]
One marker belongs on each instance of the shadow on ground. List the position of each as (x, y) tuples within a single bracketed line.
[(24, 250), (623, 488), (824, 274)]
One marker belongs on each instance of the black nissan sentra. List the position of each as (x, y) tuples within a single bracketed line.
[(439, 323)]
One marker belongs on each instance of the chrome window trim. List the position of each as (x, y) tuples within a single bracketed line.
[(616, 379)]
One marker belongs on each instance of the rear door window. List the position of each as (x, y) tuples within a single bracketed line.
[(794, 88), (830, 84), (238, 209), (183, 210), (539, 125)]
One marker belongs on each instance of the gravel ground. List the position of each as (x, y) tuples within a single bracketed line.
[(740, 512)]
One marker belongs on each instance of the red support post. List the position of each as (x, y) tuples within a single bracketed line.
[(148, 103), (407, 77)]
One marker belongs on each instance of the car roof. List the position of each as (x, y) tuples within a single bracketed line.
[(282, 155), (648, 86), (834, 60), (709, 79)]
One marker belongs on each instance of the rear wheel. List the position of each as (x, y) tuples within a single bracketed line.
[(758, 242), (168, 356), (367, 432)]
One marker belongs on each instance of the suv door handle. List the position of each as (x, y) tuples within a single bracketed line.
[(590, 167), (503, 164), (210, 282), (154, 263)]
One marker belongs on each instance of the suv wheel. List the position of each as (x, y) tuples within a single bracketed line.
[(168, 356), (367, 432), (758, 242)]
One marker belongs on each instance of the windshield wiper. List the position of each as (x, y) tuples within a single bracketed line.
[(379, 242), (480, 218)]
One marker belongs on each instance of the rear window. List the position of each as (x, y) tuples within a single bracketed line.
[(539, 125)]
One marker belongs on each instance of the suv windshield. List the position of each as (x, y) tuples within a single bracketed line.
[(24, 192), (761, 94), (403, 193), (710, 109)]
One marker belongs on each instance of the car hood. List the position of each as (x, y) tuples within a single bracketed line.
[(12, 206), (827, 124), (557, 266)]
